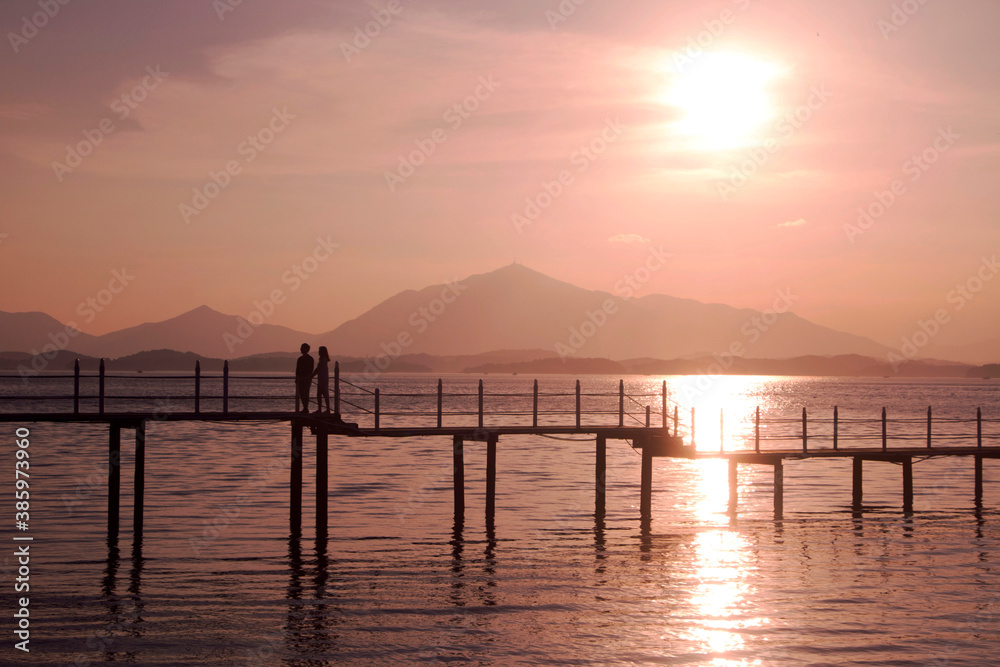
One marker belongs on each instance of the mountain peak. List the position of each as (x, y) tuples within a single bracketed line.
[(517, 275)]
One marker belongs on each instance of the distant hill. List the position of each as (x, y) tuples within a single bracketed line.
[(202, 331), (163, 360), (367, 370), (983, 352), (62, 360), (554, 366), (513, 308), (843, 366), (27, 332), (517, 308)]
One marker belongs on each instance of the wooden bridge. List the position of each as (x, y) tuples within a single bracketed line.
[(643, 420)]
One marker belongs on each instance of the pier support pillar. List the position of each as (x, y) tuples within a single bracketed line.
[(979, 480), (779, 489), (295, 481), (491, 477), (322, 481), (908, 484), (600, 475), (139, 497), (857, 486), (458, 475), (646, 486), (733, 485), (114, 477)]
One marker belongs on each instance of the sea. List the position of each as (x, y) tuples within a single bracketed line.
[(216, 578)]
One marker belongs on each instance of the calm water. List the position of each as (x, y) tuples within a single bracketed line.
[(218, 582)]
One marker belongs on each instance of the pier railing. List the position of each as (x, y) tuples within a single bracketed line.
[(202, 393), (376, 408)]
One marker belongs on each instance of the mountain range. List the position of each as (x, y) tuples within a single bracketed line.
[(511, 308)]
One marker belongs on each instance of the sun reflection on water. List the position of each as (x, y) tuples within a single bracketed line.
[(724, 566), (724, 408)]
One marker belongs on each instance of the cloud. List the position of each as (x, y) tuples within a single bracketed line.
[(628, 238), (793, 223)]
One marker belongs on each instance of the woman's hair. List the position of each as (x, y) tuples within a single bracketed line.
[(323, 353)]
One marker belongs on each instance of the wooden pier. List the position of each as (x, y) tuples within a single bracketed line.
[(631, 422)]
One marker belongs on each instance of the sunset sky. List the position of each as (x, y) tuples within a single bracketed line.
[(742, 137)]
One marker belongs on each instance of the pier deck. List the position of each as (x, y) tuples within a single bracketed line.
[(632, 421)]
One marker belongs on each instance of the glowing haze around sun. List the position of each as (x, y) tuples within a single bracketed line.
[(723, 99)]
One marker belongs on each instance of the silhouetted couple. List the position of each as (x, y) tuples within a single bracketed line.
[(305, 371)]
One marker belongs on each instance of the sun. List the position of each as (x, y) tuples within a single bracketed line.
[(724, 99)]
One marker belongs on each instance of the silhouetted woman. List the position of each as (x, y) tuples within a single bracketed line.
[(322, 376)]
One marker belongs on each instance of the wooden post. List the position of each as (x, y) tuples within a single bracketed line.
[(647, 416), (114, 476), (491, 477), (197, 387), (779, 489), (908, 484), (322, 481), (979, 427), (805, 432), (677, 421), (76, 387), (836, 424), (100, 389), (534, 404), (295, 481), (336, 388), (646, 485), (139, 482), (578, 404), (979, 480), (928, 427), (225, 387), (378, 400), (663, 405), (600, 475), (756, 430), (621, 404), (458, 476), (480, 404), (857, 482), (440, 402), (733, 482), (885, 440)]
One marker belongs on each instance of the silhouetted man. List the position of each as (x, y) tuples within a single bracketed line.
[(303, 376)]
